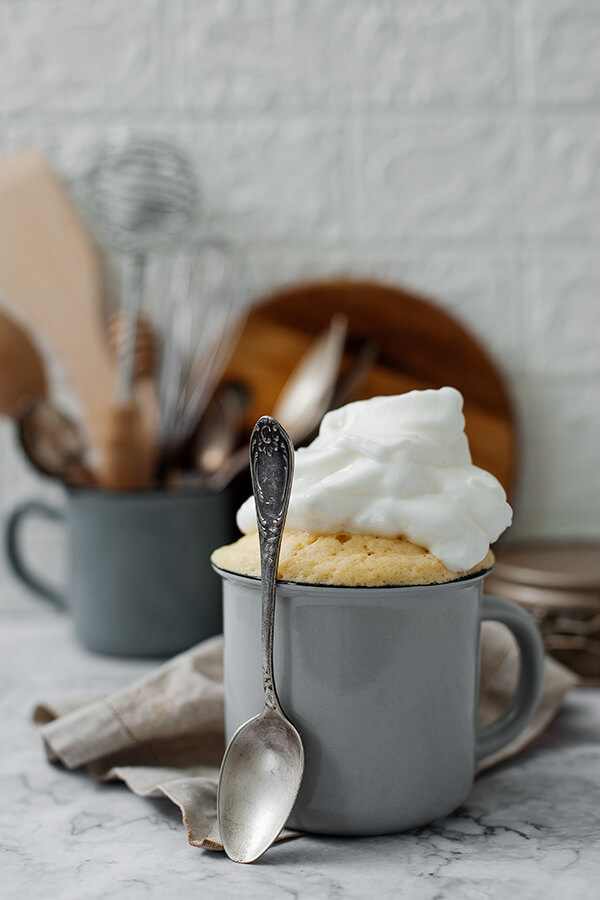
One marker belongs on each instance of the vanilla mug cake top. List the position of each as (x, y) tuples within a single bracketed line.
[(386, 494)]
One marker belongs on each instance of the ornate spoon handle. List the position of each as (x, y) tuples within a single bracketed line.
[(272, 469)]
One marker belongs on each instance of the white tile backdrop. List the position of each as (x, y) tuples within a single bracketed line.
[(454, 146)]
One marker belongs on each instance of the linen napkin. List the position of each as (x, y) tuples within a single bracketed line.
[(164, 734)]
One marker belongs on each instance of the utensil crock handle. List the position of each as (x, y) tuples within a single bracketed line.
[(527, 696), (13, 549)]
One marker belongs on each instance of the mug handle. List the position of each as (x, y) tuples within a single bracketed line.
[(527, 696), (13, 551)]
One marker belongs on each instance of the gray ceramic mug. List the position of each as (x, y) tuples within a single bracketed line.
[(139, 581), (382, 685)]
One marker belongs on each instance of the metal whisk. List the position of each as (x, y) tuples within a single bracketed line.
[(206, 298), (143, 197)]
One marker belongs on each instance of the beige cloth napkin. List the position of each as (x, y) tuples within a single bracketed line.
[(164, 733)]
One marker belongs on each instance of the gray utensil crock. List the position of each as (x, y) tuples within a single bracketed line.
[(139, 577)]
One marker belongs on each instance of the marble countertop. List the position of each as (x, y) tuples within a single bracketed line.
[(531, 828)]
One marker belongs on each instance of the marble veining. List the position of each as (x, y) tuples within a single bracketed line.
[(530, 829)]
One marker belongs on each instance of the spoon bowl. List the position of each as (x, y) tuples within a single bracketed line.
[(264, 764)]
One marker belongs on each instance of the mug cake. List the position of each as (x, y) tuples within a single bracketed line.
[(386, 494)]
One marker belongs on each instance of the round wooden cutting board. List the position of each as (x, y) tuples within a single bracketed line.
[(420, 346)]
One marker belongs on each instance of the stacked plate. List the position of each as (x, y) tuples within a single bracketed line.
[(559, 584)]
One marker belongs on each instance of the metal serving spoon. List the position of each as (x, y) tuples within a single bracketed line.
[(213, 441), (264, 762), (218, 431), (305, 397), (54, 444)]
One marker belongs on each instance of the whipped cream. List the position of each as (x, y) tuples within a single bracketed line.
[(397, 466)]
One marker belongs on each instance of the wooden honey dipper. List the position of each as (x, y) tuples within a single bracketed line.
[(144, 351), (130, 450)]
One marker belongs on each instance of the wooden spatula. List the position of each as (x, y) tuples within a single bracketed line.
[(49, 269), (22, 375)]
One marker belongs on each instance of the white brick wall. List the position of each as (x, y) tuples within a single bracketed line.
[(452, 146)]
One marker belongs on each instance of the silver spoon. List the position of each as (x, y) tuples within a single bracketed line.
[(264, 762)]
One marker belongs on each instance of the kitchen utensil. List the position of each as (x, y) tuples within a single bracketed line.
[(383, 682), (558, 582), (144, 345), (262, 768), (23, 378), (54, 444), (128, 459), (203, 319), (306, 395), (213, 442), (142, 195), (145, 363), (353, 378), (420, 346), (139, 577), (49, 271), (219, 429)]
